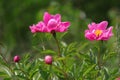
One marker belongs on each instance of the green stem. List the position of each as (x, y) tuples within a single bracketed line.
[(57, 42), (100, 54), (59, 54), (58, 47), (99, 60)]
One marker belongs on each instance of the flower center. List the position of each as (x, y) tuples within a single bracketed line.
[(98, 32)]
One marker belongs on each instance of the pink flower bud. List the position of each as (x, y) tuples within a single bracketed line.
[(48, 59), (16, 58)]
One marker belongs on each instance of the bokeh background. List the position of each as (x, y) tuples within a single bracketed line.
[(17, 15)]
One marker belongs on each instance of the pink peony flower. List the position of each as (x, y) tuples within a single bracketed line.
[(48, 59), (16, 58), (50, 23), (98, 31)]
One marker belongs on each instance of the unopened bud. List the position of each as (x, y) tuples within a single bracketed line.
[(16, 58), (48, 59)]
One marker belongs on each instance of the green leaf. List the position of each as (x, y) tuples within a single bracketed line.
[(62, 35), (22, 77), (106, 73), (3, 74), (44, 74), (108, 56), (7, 79), (88, 70), (6, 69), (31, 75), (48, 52)]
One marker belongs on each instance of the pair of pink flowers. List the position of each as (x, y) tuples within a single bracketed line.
[(53, 23)]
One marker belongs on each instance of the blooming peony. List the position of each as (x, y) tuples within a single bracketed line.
[(50, 23), (98, 31)]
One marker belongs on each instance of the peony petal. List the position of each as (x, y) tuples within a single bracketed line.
[(41, 27), (57, 17), (109, 31), (46, 17), (103, 37), (92, 26), (33, 28), (102, 25), (61, 29), (63, 26), (89, 36), (52, 24), (107, 34), (66, 24)]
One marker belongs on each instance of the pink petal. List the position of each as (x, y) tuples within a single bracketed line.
[(66, 24), (52, 24), (46, 17), (63, 27), (33, 28), (40, 26), (91, 26), (109, 31), (102, 25), (89, 35), (57, 17), (107, 34)]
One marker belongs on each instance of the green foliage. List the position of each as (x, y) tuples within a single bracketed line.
[(74, 64), (79, 57)]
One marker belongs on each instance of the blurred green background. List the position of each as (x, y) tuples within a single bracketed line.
[(17, 15)]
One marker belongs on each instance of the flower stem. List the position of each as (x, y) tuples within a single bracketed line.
[(100, 54), (99, 60), (59, 54), (57, 42)]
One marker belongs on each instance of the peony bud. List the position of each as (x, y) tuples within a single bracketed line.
[(16, 58), (48, 59)]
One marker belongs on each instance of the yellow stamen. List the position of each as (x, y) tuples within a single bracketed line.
[(98, 32)]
